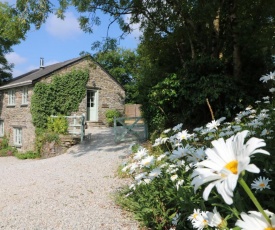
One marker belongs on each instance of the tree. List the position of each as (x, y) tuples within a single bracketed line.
[(121, 64), (12, 30)]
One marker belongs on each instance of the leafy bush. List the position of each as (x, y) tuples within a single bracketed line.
[(43, 136), (110, 116), (27, 155), (58, 124), (177, 185), (8, 151), (5, 149), (4, 142)]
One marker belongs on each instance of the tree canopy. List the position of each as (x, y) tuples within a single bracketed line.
[(12, 29)]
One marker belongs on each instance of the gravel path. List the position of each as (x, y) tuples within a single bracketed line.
[(70, 191)]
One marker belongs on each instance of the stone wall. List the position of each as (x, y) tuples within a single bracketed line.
[(18, 116)]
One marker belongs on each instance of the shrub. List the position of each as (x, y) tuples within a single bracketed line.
[(4, 142), (27, 155), (43, 136), (8, 151), (110, 116), (58, 124)]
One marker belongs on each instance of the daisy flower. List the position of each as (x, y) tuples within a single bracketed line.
[(177, 127), (215, 123), (140, 154), (215, 219), (175, 219), (260, 183), (174, 177), (256, 221), (155, 173), (225, 162), (193, 217), (148, 161), (267, 77), (199, 219)]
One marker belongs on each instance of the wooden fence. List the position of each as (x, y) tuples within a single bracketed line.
[(132, 110)]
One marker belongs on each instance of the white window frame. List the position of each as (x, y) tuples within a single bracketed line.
[(11, 97), (25, 96), (17, 136), (2, 133)]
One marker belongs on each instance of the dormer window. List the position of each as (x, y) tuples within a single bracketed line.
[(25, 95), (11, 97)]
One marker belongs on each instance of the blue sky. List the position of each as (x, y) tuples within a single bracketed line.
[(60, 40)]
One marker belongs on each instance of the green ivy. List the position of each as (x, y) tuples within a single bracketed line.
[(62, 96)]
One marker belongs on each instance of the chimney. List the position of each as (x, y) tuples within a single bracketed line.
[(41, 63)]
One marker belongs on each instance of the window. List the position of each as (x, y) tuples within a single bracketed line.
[(1, 128), (17, 136), (11, 97), (25, 95)]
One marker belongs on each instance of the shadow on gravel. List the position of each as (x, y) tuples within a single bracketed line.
[(100, 141)]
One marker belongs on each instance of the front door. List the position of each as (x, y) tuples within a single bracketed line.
[(92, 105)]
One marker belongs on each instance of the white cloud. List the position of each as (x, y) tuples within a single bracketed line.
[(15, 58), (63, 29)]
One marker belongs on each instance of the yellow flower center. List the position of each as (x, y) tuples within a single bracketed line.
[(232, 166), (262, 185), (269, 228)]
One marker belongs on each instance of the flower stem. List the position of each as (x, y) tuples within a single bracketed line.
[(254, 199)]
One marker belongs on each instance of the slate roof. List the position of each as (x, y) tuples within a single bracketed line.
[(30, 77)]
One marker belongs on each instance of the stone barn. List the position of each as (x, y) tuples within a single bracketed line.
[(103, 93)]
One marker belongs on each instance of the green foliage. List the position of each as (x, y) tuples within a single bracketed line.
[(162, 196), (27, 155), (8, 151), (58, 124), (43, 136), (155, 204), (4, 142), (110, 116), (122, 65), (61, 96), (12, 30), (181, 97), (5, 149)]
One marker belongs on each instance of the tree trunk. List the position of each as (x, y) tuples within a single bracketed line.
[(237, 64)]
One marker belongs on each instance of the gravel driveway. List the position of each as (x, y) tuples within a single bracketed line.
[(70, 191)]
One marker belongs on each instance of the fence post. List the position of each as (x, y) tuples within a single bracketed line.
[(82, 127), (115, 129), (146, 130)]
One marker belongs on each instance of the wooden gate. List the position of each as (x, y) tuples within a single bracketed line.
[(130, 128)]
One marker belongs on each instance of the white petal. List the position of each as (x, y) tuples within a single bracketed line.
[(252, 168), (207, 190)]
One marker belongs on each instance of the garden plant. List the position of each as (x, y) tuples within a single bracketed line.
[(220, 176)]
